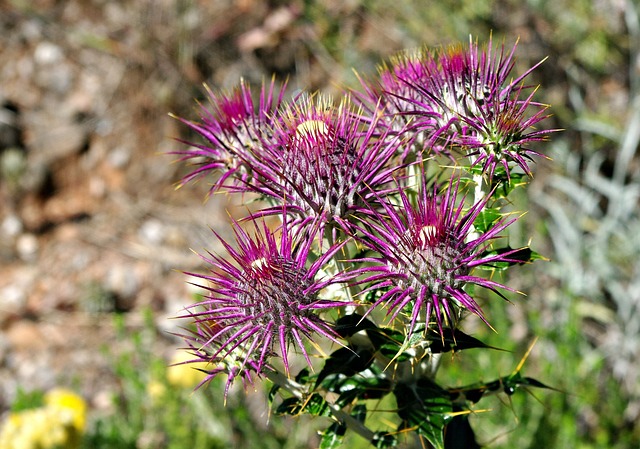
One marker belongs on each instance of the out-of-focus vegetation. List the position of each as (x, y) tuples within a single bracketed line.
[(583, 305), (156, 406), (48, 421)]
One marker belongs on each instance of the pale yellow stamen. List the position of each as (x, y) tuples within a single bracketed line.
[(312, 128)]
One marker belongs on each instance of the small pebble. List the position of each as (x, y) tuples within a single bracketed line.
[(27, 247), (152, 231), (11, 226), (47, 53)]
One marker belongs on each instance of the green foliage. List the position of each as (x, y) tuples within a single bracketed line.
[(148, 411), (518, 256), (27, 399), (333, 436), (487, 218), (425, 407), (439, 415)]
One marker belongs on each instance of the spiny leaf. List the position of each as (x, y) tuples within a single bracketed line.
[(387, 341), (303, 377), (486, 219), (392, 344), (272, 393), (383, 440), (518, 256), (358, 387), (504, 184), (346, 361), (349, 325), (507, 384), (314, 405), (425, 407), (333, 436), (359, 412), (453, 340), (458, 433)]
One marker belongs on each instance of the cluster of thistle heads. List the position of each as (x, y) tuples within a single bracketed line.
[(377, 197)]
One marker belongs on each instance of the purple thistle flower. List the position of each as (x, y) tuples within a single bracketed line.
[(234, 127), (394, 91), (392, 105), (323, 163), (266, 295), (427, 252), (462, 98), (501, 137), (481, 111)]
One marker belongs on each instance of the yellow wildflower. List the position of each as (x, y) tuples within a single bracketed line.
[(59, 423), (186, 376)]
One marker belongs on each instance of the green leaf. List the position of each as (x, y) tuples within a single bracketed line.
[(359, 412), (272, 393), (333, 436), (349, 325), (458, 433), (346, 361), (518, 256), (512, 382), (303, 377), (452, 340), (504, 184), (367, 385), (313, 405), (388, 342), (426, 407), (394, 345), (383, 440), (507, 384), (372, 296), (486, 219)]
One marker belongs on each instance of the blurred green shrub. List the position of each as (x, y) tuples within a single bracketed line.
[(154, 405)]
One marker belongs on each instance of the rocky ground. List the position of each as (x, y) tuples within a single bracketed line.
[(90, 221)]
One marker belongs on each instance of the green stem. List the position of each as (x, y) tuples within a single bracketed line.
[(478, 195), (340, 264)]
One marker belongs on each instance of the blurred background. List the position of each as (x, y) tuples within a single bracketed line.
[(93, 234)]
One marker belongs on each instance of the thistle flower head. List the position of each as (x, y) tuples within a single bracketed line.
[(261, 300), (462, 98), (427, 253), (394, 106), (485, 113), (322, 162), (394, 87), (234, 126)]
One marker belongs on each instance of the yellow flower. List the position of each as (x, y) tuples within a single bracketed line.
[(156, 390), (58, 424), (72, 407), (185, 375)]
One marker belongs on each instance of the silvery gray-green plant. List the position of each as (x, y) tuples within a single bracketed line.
[(391, 210), (594, 227)]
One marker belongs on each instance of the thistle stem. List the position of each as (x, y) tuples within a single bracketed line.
[(478, 195), (340, 264)]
